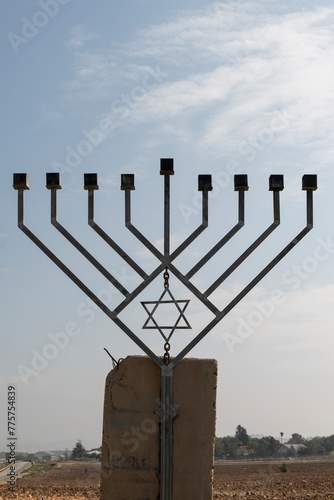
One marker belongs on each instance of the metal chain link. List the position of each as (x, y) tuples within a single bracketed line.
[(166, 278), (166, 355)]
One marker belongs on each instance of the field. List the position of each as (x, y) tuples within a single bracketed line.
[(304, 480), (45, 481)]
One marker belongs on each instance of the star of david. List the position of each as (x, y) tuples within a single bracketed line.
[(160, 302)]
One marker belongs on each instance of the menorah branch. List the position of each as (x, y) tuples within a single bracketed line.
[(79, 247), (139, 289), (275, 187), (194, 290), (136, 233), (241, 185), (204, 185), (103, 234)]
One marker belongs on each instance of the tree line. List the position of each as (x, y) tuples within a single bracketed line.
[(229, 447), (79, 452), (319, 445)]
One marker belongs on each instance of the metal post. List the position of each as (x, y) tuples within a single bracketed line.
[(167, 413), (167, 217)]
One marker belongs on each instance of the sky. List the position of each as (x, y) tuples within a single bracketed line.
[(224, 88)]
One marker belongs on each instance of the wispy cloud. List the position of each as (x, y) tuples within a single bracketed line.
[(48, 115), (299, 324), (79, 35), (226, 69)]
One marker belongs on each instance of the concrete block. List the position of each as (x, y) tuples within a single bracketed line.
[(130, 444)]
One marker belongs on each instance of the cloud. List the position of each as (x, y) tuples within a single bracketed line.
[(300, 324), (79, 36), (226, 70), (48, 116), (278, 62)]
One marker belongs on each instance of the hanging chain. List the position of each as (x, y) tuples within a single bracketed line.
[(166, 278), (167, 344), (166, 355)]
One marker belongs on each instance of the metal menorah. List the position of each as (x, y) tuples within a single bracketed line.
[(166, 412)]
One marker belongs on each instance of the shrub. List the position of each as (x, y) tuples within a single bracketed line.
[(283, 467)]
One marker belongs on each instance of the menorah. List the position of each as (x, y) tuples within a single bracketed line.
[(167, 412)]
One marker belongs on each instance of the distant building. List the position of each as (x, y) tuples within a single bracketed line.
[(242, 451), (288, 449), (94, 454), (44, 456)]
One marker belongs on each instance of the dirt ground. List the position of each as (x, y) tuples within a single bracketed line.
[(47, 481), (304, 480)]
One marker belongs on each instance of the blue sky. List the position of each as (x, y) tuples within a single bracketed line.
[(223, 88)]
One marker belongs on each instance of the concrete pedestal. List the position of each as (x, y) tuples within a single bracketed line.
[(130, 445)]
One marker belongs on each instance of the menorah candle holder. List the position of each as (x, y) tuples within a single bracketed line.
[(166, 412)]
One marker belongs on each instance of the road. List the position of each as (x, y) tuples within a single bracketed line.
[(19, 467)]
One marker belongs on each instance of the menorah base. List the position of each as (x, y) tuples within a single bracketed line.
[(131, 423)]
